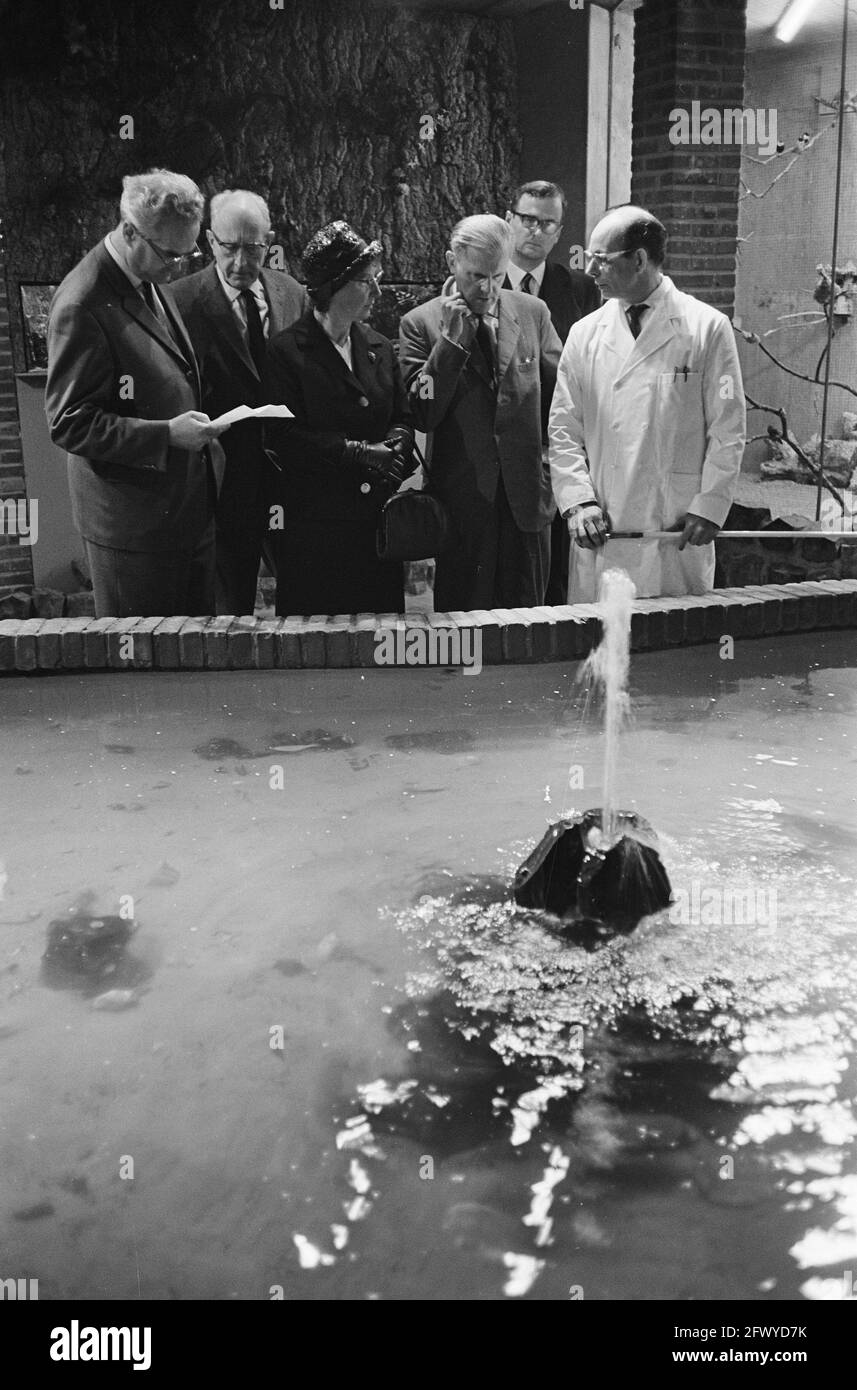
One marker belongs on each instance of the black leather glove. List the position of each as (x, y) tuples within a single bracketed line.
[(376, 462), (401, 440)]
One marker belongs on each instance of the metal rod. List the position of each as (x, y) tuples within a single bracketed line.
[(738, 535), (839, 137)]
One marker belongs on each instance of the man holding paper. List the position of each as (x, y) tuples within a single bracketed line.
[(123, 399), (231, 310)]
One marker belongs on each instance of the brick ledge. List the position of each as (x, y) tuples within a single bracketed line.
[(564, 633)]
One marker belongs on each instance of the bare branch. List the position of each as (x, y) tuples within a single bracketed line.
[(801, 376), (803, 143), (813, 468)]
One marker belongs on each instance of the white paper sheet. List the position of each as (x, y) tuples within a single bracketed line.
[(246, 412)]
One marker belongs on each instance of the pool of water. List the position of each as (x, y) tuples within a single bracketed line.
[(344, 1068)]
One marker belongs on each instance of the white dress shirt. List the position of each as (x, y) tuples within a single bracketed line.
[(516, 275), (240, 312)]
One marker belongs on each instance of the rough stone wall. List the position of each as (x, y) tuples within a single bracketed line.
[(319, 106)]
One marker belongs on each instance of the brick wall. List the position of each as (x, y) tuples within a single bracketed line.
[(16, 564), (685, 51)]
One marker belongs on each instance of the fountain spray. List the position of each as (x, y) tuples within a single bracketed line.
[(608, 667), (600, 871)]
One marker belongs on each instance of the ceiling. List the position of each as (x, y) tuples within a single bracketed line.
[(824, 23), (501, 9)]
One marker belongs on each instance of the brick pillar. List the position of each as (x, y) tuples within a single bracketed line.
[(16, 562), (685, 51)]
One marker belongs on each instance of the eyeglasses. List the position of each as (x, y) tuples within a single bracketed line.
[(374, 280), (603, 258), (547, 225), (253, 248), (171, 258)]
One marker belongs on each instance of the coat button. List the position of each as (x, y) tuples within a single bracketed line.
[(364, 400)]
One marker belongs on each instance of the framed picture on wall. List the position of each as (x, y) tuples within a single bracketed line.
[(35, 303)]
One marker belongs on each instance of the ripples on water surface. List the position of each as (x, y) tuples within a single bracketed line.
[(463, 1106)]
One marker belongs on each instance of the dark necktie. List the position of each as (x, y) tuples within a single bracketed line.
[(486, 345), (255, 332), (635, 312), (528, 284), (155, 303)]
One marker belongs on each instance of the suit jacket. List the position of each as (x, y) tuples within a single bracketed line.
[(569, 295), (115, 379), (480, 433), (331, 404), (230, 378)]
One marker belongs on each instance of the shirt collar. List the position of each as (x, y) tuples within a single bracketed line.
[(516, 274), (230, 291), (651, 299), (114, 254)]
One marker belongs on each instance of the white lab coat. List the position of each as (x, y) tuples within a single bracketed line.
[(650, 429)]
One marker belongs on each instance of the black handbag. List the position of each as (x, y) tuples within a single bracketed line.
[(413, 525)]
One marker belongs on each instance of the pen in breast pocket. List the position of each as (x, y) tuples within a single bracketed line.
[(680, 371)]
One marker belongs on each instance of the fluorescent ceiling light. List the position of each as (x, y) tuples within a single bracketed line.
[(792, 18)]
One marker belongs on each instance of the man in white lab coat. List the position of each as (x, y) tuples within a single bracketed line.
[(648, 424)]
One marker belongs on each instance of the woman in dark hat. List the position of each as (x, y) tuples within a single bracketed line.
[(350, 445)]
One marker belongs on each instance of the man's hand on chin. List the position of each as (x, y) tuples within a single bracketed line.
[(697, 531)]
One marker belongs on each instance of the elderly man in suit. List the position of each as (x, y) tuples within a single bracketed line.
[(478, 361), (124, 399), (536, 216), (231, 309), (648, 422)]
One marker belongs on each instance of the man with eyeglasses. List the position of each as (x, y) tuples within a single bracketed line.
[(478, 361), (232, 309), (648, 422), (124, 398), (536, 216)]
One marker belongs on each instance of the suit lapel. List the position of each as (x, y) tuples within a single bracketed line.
[(322, 345), (545, 286), (222, 316), (134, 304), (275, 292), (365, 360), (177, 325), (508, 332)]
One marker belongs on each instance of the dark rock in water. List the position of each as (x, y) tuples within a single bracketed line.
[(573, 874), (289, 967), (309, 738), (435, 740), (34, 1213), (76, 1184), (217, 748), (87, 953)]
